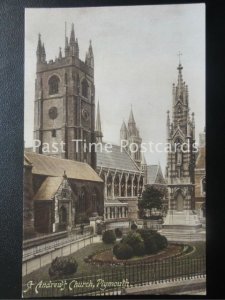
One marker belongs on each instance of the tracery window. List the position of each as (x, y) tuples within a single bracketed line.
[(53, 84), (84, 88)]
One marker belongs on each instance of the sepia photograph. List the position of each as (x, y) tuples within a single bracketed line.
[(114, 175)]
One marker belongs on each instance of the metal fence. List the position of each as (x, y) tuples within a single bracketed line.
[(119, 278)]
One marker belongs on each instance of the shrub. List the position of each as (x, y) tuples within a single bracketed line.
[(115, 248), (118, 232), (133, 226), (146, 233), (161, 241), (109, 237), (62, 266), (132, 238), (139, 249), (150, 245), (123, 251)]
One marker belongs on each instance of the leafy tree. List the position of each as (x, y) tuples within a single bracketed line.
[(151, 198)]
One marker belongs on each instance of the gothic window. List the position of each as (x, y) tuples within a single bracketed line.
[(66, 79), (84, 88), (179, 109), (53, 133), (82, 200), (94, 201), (53, 84), (62, 215)]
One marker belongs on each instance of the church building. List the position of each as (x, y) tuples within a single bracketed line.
[(64, 126), (124, 174)]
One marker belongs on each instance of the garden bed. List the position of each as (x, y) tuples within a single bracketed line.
[(107, 257)]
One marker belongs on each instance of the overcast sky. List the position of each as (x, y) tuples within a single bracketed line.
[(135, 52)]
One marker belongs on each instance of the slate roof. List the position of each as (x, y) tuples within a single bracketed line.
[(52, 166), (48, 188), (152, 172), (116, 159)]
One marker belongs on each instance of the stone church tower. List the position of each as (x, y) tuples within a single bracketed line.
[(181, 160), (65, 102)]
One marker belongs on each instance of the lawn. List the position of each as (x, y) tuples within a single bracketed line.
[(136, 273), (87, 268)]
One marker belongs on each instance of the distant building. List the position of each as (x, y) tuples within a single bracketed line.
[(155, 178)]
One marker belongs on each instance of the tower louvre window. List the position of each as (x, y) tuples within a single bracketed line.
[(53, 133), (53, 85), (84, 88)]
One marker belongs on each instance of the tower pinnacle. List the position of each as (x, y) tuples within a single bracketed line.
[(39, 49), (98, 127), (72, 36)]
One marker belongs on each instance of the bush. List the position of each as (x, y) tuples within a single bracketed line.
[(62, 266), (151, 245), (139, 249), (118, 232), (115, 248), (133, 226), (161, 241), (132, 238), (146, 233), (109, 237), (123, 251)]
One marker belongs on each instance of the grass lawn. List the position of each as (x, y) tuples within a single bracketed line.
[(87, 268)]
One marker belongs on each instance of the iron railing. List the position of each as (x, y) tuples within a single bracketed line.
[(48, 246), (119, 278)]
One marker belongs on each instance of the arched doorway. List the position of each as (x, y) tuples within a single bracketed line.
[(62, 218), (180, 201)]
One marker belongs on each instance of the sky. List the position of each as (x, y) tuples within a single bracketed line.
[(136, 57)]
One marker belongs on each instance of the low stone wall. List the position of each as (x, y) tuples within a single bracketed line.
[(42, 259), (44, 239)]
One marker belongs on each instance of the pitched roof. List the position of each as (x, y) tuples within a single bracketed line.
[(154, 173), (52, 166), (116, 159), (48, 188)]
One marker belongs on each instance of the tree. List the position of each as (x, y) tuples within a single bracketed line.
[(151, 198)]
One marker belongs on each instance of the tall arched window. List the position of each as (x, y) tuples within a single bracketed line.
[(62, 215), (82, 200), (94, 201), (203, 186), (53, 84), (84, 88)]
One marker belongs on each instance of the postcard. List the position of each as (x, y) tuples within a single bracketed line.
[(114, 158)]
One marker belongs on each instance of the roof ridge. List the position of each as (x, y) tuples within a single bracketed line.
[(57, 158)]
